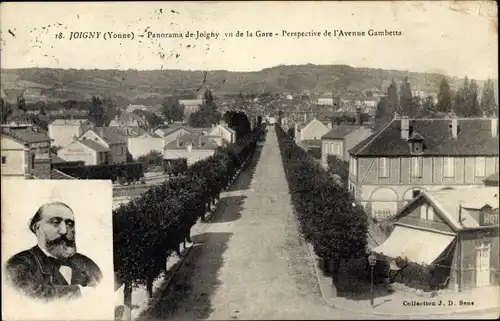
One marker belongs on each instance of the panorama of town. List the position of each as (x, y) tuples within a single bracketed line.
[(357, 202)]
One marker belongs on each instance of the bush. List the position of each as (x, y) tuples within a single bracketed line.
[(129, 172), (151, 159), (328, 219)]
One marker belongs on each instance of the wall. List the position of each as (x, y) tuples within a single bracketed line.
[(138, 146), (222, 132), (16, 158), (471, 240), (328, 147), (118, 153), (63, 134), (395, 190), (192, 157), (78, 152), (353, 138), (412, 217)]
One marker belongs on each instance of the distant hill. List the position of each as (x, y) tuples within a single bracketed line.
[(130, 85)]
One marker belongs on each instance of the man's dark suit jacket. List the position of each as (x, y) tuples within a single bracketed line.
[(36, 275)]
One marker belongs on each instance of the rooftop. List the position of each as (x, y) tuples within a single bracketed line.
[(198, 141), (93, 145), (474, 138), (111, 135), (450, 202), (339, 132), (27, 135)]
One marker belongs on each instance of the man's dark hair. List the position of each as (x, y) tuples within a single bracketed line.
[(38, 215)]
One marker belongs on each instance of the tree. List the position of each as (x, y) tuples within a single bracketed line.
[(488, 104), (406, 99), (42, 109), (173, 110), (466, 103), (97, 114), (428, 107), (444, 97), (392, 99), (208, 100)]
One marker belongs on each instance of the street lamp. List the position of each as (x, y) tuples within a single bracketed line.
[(372, 260)]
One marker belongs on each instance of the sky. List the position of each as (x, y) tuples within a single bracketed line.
[(452, 38)]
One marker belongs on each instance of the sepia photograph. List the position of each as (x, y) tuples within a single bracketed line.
[(270, 160), (57, 250)]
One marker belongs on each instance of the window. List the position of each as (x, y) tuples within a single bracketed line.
[(427, 212), (430, 213), (480, 166), (354, 165), (449, 167), (383, 167), (423, 212), (4, 160), (416, 166)]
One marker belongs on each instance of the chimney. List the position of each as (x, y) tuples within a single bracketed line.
[(454, 126), (494, 126), (305, 117), (358, 117), (178, 141), (405, 127)]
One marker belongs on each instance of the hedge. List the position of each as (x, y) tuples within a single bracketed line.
[(147, 229), (129, 171), (329, 218)]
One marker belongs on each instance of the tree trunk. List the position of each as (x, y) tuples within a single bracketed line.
[(127, 301), (149, 285)]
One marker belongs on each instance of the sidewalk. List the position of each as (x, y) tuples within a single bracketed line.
[(404, 303)]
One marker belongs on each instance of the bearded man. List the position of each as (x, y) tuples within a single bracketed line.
[(52, 269)]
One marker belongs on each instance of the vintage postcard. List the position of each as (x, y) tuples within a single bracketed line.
[(249, 160)]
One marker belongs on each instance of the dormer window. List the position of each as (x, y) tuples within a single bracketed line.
[(416, 143)]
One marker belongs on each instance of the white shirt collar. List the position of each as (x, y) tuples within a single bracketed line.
[(46, 252)]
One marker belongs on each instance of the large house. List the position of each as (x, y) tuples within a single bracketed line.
[(407, 156), (454, 233), (312, 131), (63, 131), (341, 139), (85, 150), (223, 131), (190, 105), (145, 143), (192, 147), (25, 153), (109, 138)]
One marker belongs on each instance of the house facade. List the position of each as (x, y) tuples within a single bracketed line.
[(393, 165), (190, 105), (340, 140), (313, 130), (111, 139), (144, 144), (192, 147), (62, 131), (454, 233), (223, 131), (86, 150), (129, 119), (25, 153)]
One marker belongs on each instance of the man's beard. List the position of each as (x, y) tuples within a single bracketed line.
[(61, 248)]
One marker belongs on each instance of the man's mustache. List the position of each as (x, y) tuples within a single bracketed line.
[(62, 240)]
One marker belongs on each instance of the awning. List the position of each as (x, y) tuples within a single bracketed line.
[(415, 245)]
